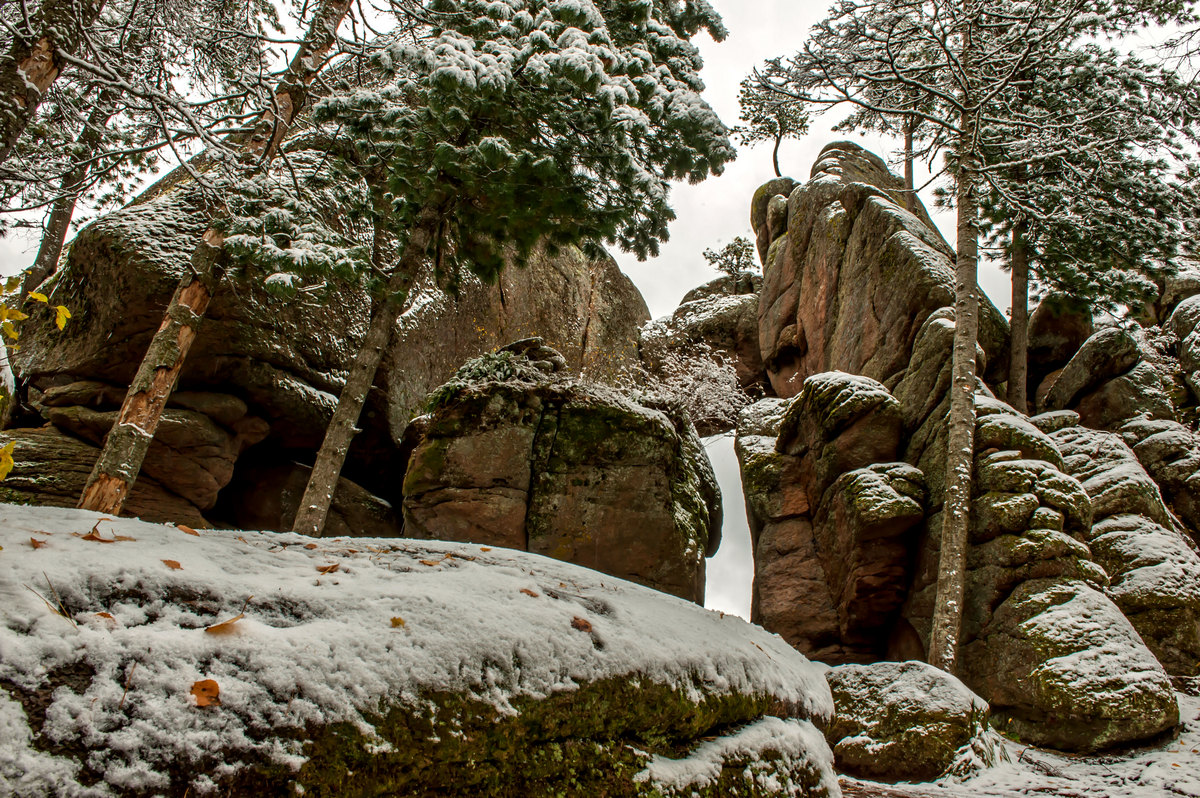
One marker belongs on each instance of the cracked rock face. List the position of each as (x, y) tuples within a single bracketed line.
[(527, 460)]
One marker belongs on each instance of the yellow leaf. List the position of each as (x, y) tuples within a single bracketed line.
[(397, 622), (173, 565), (15, 315), (12, 283), (225, 627), (6, 459), (9, 329), (61, 316), (39, 297)]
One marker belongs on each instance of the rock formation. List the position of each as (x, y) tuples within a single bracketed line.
[(262, 378), (516, 455), (378, 666), (1083, 574)]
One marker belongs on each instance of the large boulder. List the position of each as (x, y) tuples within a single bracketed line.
[(1062, 667), (852, 280), (907, 721), (286, 358), (262, 664), (515, 456)]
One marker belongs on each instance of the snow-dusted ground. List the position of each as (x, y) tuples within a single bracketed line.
[(332, 628), (1171, 768)]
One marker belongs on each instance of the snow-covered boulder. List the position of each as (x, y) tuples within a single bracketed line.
[(907, 721), (144, 659)]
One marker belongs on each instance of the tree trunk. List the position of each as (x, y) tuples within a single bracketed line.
[(910, 197), (1018, 364), (34, 61), (775, 155), (956, 507), (322, 483), (126, 445), (55, 234)]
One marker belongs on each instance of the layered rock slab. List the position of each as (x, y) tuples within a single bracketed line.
[(512, 456), (391, 671)]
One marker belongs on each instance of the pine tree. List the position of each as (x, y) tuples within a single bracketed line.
[(768, 117), (520, 124)]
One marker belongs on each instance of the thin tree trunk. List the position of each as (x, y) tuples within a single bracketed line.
[(125, 448), (775, 155), (55, 234), (34, 61), (322, 483), (910, 196), (1018, 364), (948, 609)]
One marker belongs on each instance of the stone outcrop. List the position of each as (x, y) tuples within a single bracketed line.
[(832, 516), (849, 283), (378, 666), (514, 456), (281, 361), (1080, 584), (907, 721)]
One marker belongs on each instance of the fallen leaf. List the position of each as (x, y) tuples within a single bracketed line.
[(529, 592), (397, 622), (187, 529), (310, 545), (207, 693), (37, 544), (242, 539), (581, 624), (328, 569), (485, 548), (95, 534), (225, 627), (106, 616), (431, 562), (173, 565)]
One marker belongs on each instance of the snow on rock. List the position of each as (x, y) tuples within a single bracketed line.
[(355, 664), (907, 721), (779, 755)]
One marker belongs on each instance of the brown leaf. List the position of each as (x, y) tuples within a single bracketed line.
[(485, 548), (431, 563), (106, 616), (187, 529), (328, 569), (95, 534), (529, 592), (310, 545), (397, 622), (207, 693), (37, 544), (581, 624), (173, 565), (225, 627)]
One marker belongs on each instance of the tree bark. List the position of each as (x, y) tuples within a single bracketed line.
[(956, 507), (34, 61), (1018, 365), (910, 197), (775, 155), (322, 483), (55, 234), (126, 445)]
